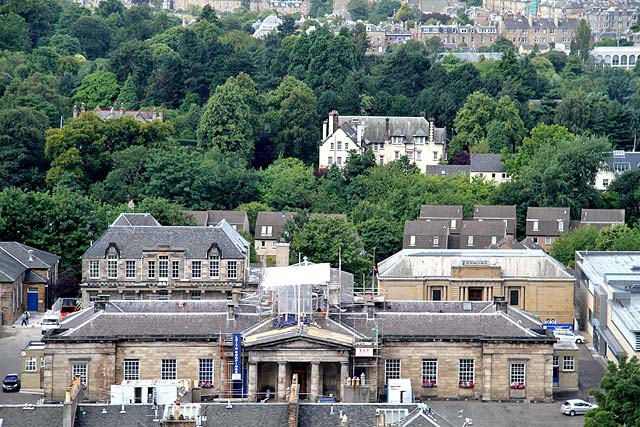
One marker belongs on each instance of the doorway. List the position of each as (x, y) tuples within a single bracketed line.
[(475, 294), (32, 299), (302, 370)]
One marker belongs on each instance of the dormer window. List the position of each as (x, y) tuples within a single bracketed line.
[(470, 241), (412, 241), (560, 226), (267, 230), (436, 241), (454, 224), (535, 225)]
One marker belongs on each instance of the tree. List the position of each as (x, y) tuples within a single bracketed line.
[(403, 69), (610, 235), (581, 42), (98, 89), (165, 212), (618, 400), (626, 188), (332, 240), (227, 120), (287, 184), (22, 162), (14, 32), (579, 239), (359, 9), (540, 136), (94, 35), (294, 114), (380, 236)]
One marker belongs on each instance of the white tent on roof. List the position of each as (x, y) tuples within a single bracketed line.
[(296, 275)]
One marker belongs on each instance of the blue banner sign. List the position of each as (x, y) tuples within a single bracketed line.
[(236, 375), (553, 326)]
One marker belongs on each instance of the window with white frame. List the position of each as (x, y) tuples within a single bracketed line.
[(346, 146), (418, 156), (131, 369), (339, 161), (412, 240), (517, 375), (130, 269), (169, 369), (232, 270), (94, 269), (435, 155), (568, 363), (196, 269), (175, 269), (163, 267), (205, 373), (454, 224), (466, 371), (391, 370), (560, 226), (30, 364), (330, 160), (535, 225), (494, 240), (79, 370), (436, 240), (214, 266), (429, 372), (556, 361), (112, 266), (469, 240), (196, 295), (339, 145), (547, 240), (151, 270), (393, 416)]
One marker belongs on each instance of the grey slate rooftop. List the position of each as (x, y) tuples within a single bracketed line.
[(408, 127), (135, 219), (486, 163), (602, 217), (447, 170), (195, 241), (441, 212), (276, 220), (37, 416), (14, 261)]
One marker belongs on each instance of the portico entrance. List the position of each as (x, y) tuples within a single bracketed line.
[(300, 369)]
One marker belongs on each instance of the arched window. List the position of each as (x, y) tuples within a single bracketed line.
[(214, 262), (632, 60), (616, 61), (623, 60)]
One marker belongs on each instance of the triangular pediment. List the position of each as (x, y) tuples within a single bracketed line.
[(299, 338)]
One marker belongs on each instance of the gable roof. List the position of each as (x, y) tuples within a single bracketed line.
[(547, 219), (447, 170), (486, 163), (135, 219), (426, 228), (441, 212), (195, 241), (602, 216), (14, 261), (212, 217), (623, 160), (498, 212), (486, 227), (277, 221), (375, 127)]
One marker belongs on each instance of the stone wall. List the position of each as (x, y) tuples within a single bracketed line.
[(492, 365)]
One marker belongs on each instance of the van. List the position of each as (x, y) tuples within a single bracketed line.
[(51, 321)]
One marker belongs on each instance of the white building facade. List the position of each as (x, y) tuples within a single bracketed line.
[(390, 138)]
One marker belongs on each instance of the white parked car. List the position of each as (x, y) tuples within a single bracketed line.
[(567, 335), (576, 406)]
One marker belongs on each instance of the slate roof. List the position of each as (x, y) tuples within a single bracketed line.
[(601, 217), (135, 219), (441, 212), (375, 127), (38, 416), (212, 217), (20, 251), (14, 261), (426, 228), (495, 325), (175, 306), (548, 219), (88, 415), (277, 220), (150, 326), (33, 277), (487, 227), (498, 212), (508, 243), (447, 170), (486, 163), (142, 116), (195, 241)]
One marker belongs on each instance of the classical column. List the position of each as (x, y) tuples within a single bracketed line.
[(252, 382), (344, 374), (282, 380), (315, 381)]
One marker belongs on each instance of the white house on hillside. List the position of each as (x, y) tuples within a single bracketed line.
[(389, 137), (619, 162)]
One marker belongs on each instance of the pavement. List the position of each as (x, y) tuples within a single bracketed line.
[(14, 338)]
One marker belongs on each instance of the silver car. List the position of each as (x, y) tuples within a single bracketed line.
[(576, 406)]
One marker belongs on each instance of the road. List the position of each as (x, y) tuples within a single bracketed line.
[(12, 340)]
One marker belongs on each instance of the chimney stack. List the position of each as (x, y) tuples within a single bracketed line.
[(500, 303), (386, 129), (75, 111), (231, 315), (335, 120), (432, 130)]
